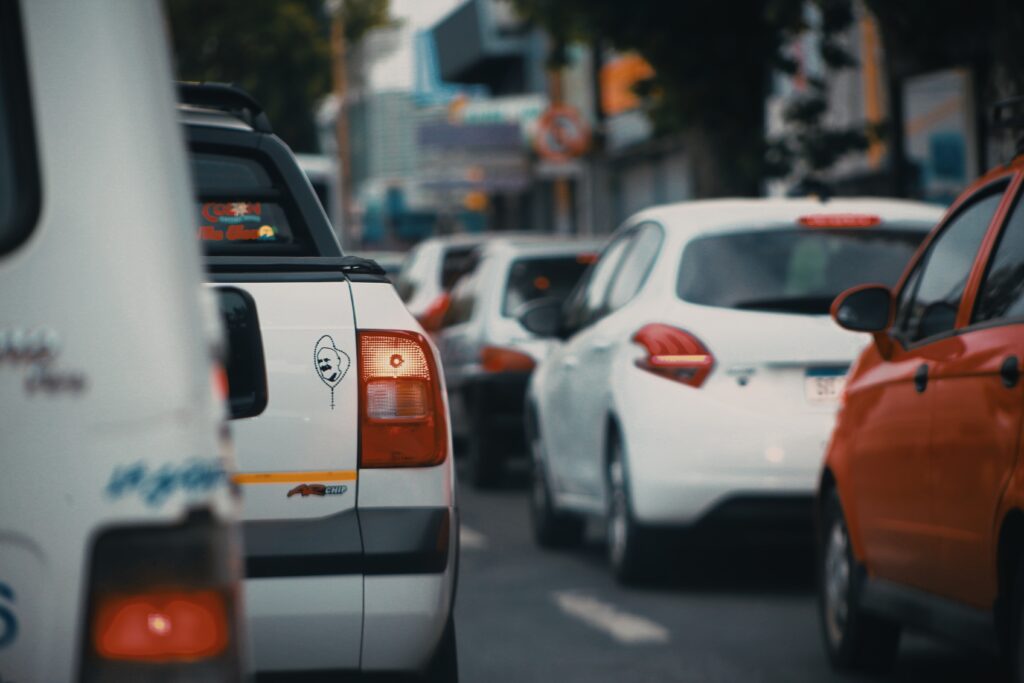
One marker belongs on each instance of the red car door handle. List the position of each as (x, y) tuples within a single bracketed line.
[(921, 378), (1010, 372)]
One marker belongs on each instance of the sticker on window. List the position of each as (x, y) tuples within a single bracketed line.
[(243, 222)]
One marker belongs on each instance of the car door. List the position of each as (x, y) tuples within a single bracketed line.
[(891, 469), (583, 310), (976, 394)]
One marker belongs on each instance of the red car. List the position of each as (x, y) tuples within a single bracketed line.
[(921, 506)]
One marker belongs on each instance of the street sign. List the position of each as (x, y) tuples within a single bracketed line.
[(561, 134)]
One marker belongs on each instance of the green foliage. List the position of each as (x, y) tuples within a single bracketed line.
[(278, 50), (360, 16)]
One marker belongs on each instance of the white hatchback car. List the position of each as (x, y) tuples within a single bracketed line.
[(700, 373)]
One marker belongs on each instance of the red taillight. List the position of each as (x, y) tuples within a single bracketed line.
[(839, 220), (433, 316), (219, 381), (400, 405), (498, 359), (674, 354), (164, 626)]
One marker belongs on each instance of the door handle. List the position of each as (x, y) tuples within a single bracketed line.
[(1009, 372), (921, 378)]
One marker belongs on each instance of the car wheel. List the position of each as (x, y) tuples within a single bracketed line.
[(484, 457), (551, 528), (627, 543), (853, 639), (444, 666)]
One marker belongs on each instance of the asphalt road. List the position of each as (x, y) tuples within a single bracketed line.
[(735, 615)]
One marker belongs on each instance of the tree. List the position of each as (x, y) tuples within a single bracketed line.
[(278, 50)]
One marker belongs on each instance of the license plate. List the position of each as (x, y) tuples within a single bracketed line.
[(824, 385)]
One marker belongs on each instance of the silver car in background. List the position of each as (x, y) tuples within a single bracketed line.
[(487, 354)]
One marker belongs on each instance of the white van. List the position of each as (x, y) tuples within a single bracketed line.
[(119, 554)]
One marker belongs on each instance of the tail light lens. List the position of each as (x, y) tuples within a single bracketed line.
[(402, 419), (498, 359), (163, 604), (433, 317), (674, 354)]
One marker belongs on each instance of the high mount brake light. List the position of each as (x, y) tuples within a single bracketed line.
[(499, 359), (839, 220), (674, 354), (401, 411), (162, 626)]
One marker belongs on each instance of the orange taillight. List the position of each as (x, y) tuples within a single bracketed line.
[(402, 420), (163, 626), (499, 359)]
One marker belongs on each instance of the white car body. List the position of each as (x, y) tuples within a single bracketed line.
[(748, 431), (109, 422), (421, 280), (350, 568)]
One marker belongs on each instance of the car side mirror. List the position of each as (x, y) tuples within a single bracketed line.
[(542, 317), (246, 369), (867, 308)]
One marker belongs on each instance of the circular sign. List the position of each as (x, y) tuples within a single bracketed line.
[(561, 134)]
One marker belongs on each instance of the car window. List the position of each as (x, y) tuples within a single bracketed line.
[(463, 301), (587, 300), (1002, 290), (540, 277), (19, 181), (632, 272), (243, 208), (793, 270), (412, 272), (457, 262), (932, 307)]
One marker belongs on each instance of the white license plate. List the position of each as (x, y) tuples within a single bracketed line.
[(824, 388)]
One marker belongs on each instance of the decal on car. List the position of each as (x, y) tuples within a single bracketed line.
[(331, 363), (317, 490), (8, 622), (154, 485)]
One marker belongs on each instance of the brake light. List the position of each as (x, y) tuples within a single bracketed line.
[(400, 406), (433, 316), (163, 626), (839, 220), (498, 359), (674, 354)]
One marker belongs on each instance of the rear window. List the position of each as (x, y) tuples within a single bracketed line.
[(792, 271), (530, 279), (457, 262), (244, 210)]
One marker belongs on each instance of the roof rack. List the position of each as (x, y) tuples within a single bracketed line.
[(225, 97)]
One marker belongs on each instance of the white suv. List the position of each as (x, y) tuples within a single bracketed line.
[(699, 373), (349, 492), (119, 552)]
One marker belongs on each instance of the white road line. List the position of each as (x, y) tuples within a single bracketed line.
[(623, 627), (471, 539)]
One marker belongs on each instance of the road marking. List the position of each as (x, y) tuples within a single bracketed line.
[(623, 627), (471, 539)]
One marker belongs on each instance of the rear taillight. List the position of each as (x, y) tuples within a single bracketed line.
[(163, 604), (499, 359), (674, 354), (402, 419), (433, 317)]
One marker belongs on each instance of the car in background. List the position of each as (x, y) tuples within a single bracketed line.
[(430, 271), (349, 508), (488, 355), (921, 500), (120, 555), (698, 375), (323, 174), (390, 261)]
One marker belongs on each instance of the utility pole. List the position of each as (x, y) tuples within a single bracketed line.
[(562, 191), (339, 72)]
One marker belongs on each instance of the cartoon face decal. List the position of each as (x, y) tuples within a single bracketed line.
[(331, 363)]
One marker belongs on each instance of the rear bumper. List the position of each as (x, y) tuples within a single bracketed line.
[(363, 590)]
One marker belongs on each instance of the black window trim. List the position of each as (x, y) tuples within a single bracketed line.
[(1017, 202), (1002, 183), (14, 79), (626, 234)]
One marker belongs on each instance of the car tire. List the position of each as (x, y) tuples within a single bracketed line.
[(444, 665), (551, 528), (628, 545), (854, 640)]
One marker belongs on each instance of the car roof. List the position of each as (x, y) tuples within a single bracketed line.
[(539, 246), (726, 215)]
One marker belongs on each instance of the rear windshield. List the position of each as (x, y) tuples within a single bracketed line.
[(792, 271), (243, 209), (457, 262), (537, 278)]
